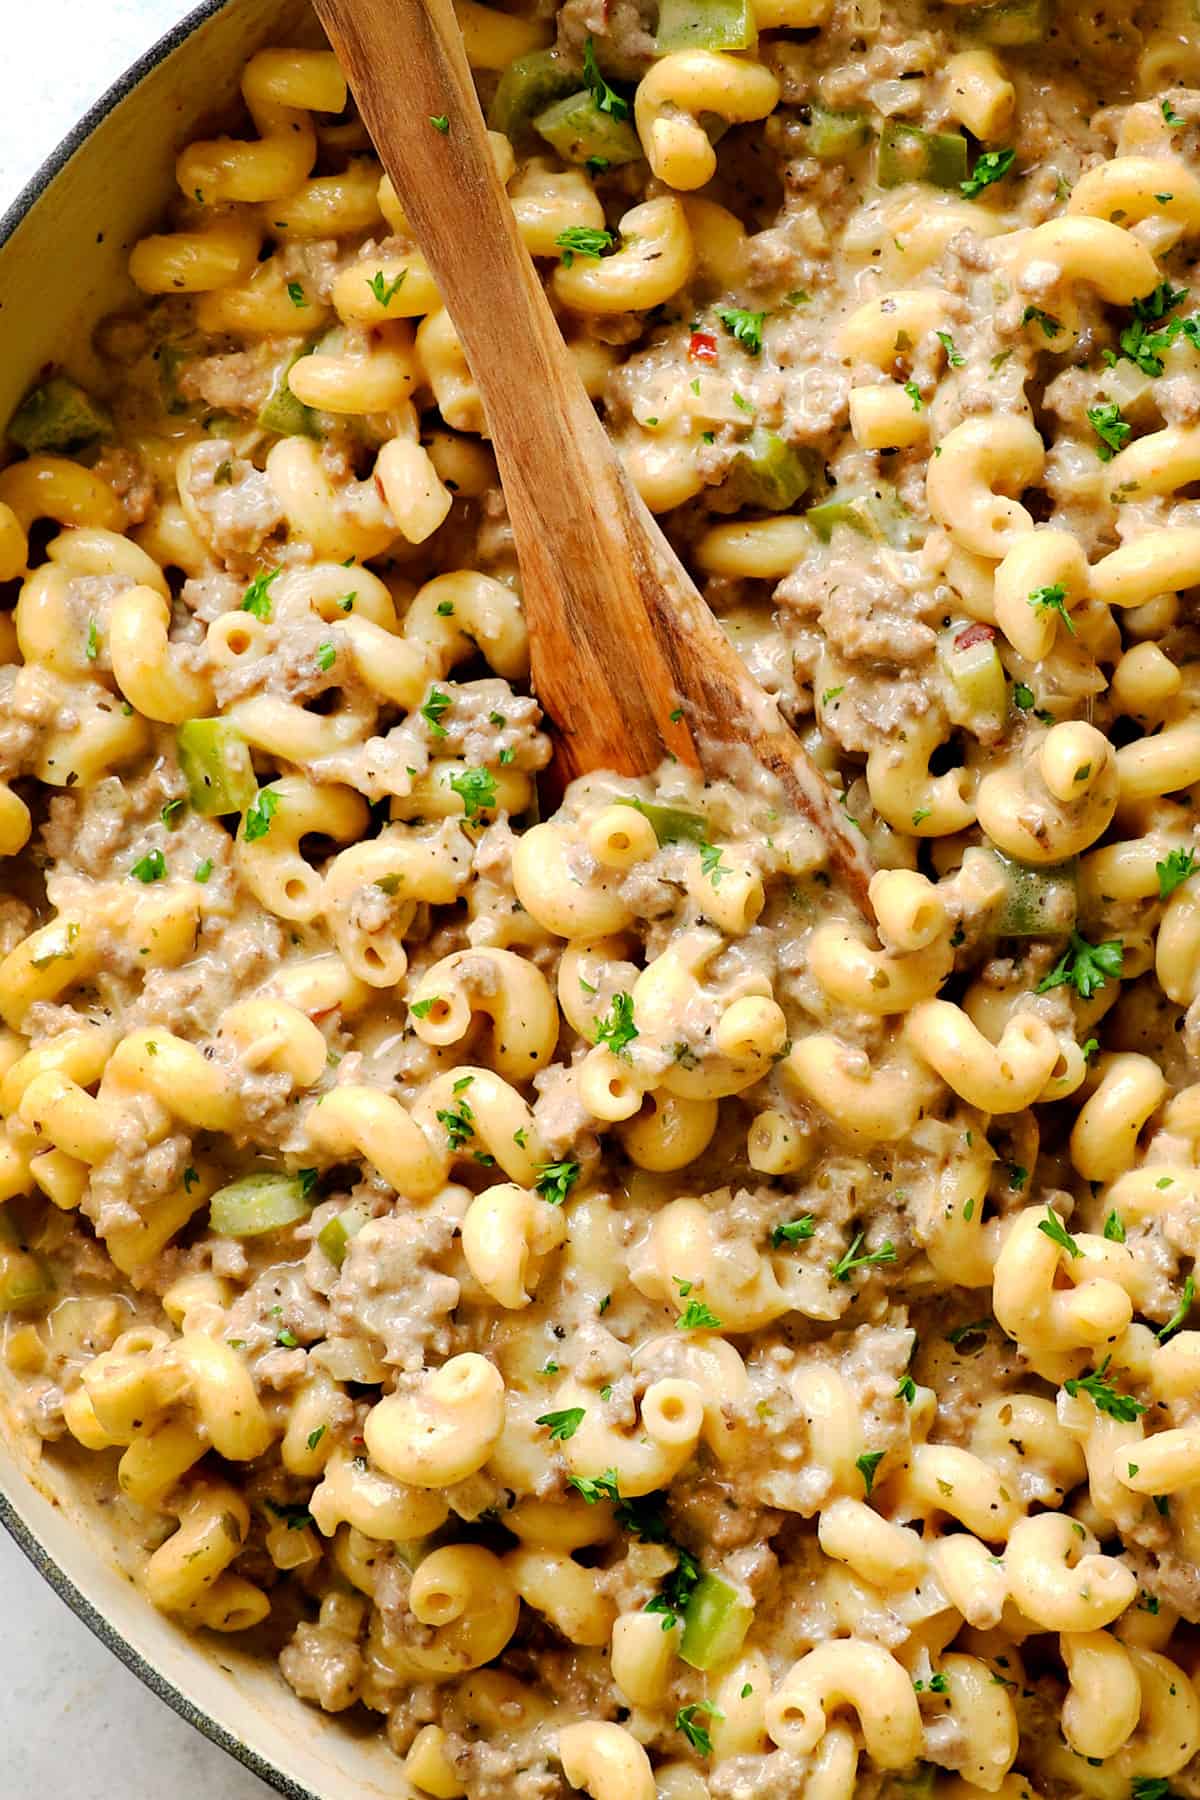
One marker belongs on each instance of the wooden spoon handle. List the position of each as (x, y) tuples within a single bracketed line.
[(627, 659), (548, 441)]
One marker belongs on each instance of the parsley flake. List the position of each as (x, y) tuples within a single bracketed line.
[(477, 791), (851, 1260), (583, 240), (745, 327), (1105, 1397), (1174, 871), (1110, 428), (385, 291), (1085, 966), (992, 166), (256, 598), (795, 1231), (697, 1317), (1057, 1232), (259, 814), (606, 99), (151, 867), (554, 1181), (616, 1028), (1052, 599), (1181, 1312), (866, 1464), (562, 1425), (696, 1735)]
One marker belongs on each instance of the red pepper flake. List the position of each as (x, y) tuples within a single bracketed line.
[(974, 634), (703, 347)]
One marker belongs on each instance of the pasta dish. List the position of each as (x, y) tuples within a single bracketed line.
[(561, 1281)]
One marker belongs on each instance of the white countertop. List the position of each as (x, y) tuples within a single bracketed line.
[(75, 1724)]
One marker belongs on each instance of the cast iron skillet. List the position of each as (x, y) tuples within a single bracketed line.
[(63, 248)]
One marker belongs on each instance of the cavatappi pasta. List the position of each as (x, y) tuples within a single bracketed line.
[(596, 1303)]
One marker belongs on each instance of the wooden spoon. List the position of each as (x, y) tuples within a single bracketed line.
[(627, 659)]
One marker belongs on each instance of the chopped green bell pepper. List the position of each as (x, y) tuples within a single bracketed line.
[(24, 1278), (671, 824), (214, 759), (527, 87), (282, 412), (706, 25), (580, 132), (907, 153), (715, 1622), (256, 1204), (58, 416), (1037, 902), (335, 1235), (876, 513), (832, 136), (1011, 24), (978, 686), (768, 473)]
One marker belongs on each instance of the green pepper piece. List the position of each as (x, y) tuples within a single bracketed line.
[(334, 1236), (768, 473), (215, 762), (876, 513), (907, 153), (1037, 902), (832, 136), (579, 131), (671, 824), (24, 1278), (715, 1622), (256, 1204), (1011, 24), (282, 412), (527, 87), (706, 25), (58, 416), (979, 689)]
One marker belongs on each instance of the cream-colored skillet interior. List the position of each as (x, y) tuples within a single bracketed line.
[(594, 1311)]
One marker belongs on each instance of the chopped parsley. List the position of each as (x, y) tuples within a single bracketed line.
[(555, 1180), (326, 657), (172, 812), (616, 1028), (866, 1464), (696, 1735), (914, 394), (1052, 599), (314, 1437), (477, 791), (1033, 315), (964, 1335), (697, 1317), (606, 99), (851, 1260), (440, 122), (1181, 1312), (992, 166), (676, 1590), (259, 815), (1170, 115), (583, 240), (92, 648), (432, 711), (1023, 697), (257, 599), (711, 863), (906, 1389), (1110, 428), (1104, 1396), (1152, 1787), (1174, 871), (953, 355), (421, 1009), (295, 294), (1114, 1228), (151, 867), (745, 327), (1057, 1232), (796, 1231), (603, 1487), (203, 870), (460, 1125), (562, 1425), (1085, 966), (1150, 331), (385, 291)]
